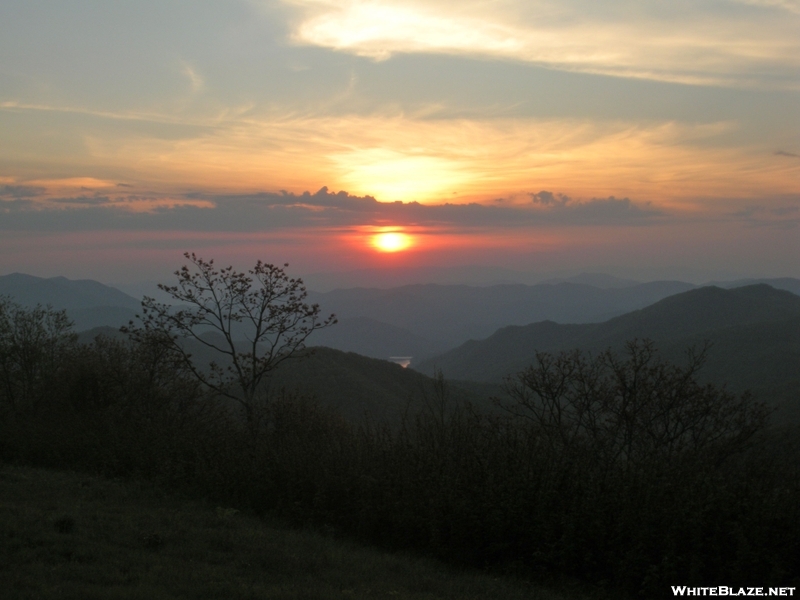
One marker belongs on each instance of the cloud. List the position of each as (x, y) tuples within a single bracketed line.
[(595, 210), (784, 153), (782, 216), (195, 79), (21, 191), (792, 6), (323, 209), (117, 115), (545, 198), (398, 156), (83, 201), (613, 209), (747, 43)]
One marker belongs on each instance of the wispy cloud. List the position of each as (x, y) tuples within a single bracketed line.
[(197, 82), (783, 215), (394, 156), (21, 191), (708, 43), (117, 115), (792, 6)]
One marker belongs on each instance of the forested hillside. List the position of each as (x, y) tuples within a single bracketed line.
[(753, 334)]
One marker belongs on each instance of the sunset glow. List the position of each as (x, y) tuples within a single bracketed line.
[(532, 136), (393, 241)]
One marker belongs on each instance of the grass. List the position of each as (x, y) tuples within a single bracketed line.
[(67, 535)]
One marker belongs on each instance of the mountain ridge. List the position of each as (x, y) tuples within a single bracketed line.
[(754, 332), (418, 320)]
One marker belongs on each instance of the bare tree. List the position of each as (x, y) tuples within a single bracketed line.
[(263, 308)]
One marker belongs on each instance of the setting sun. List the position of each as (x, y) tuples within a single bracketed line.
[(391, 241)]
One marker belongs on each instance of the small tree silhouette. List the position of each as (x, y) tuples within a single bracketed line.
[(264, 306)]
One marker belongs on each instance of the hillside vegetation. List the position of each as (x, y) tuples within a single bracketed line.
[(753, 332), (356, 387), (620, 469)]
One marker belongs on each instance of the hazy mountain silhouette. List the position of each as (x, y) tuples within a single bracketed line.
[(415, 320), (755, 332), (100, 316), (689, 314), (88, 303), (356, 386), (599, 280), (472, 275), (451, 314), (63, 293), (376, 339), (780, 283)]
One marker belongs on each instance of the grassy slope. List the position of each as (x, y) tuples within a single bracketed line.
[(65, 535)]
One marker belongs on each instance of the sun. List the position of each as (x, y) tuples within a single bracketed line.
[(391, 241)]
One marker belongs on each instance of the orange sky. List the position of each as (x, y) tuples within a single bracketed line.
[(528, 135)]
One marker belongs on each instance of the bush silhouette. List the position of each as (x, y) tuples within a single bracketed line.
[(33, 343)]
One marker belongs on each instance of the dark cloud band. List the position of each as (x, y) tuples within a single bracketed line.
[(267, 211)]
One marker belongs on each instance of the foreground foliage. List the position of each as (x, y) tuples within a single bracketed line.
[(617, 471), (32, 344)]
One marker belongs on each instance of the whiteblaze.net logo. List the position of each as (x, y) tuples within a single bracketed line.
[(722, 590)]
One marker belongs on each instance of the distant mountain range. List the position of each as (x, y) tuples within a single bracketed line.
[(88, 303), (754, 332), (445, 316), (599, 280), (754, 329), (420, 321), (61, 292), (376, 339)]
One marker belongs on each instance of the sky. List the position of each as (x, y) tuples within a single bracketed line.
[(648, 139)]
